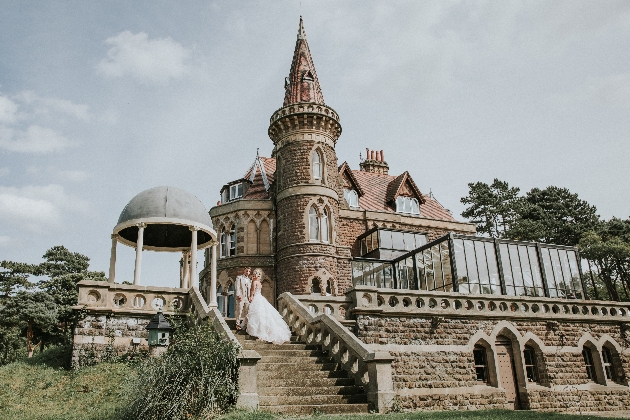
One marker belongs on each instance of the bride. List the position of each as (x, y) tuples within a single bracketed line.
[(263, 321)]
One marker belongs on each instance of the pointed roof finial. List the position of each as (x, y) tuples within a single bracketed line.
[(302, 84), (301, 33)]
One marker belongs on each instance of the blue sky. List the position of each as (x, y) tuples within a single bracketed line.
[(101, 100)]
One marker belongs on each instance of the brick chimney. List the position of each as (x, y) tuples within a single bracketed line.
[(374, 162)]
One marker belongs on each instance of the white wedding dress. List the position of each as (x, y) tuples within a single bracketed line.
[(264, 322)]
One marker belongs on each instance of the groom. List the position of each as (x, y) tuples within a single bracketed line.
[(242, 289)]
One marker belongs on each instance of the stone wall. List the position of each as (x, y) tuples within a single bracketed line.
[(433, 365), (97, 335)]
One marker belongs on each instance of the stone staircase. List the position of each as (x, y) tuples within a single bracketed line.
[(299, 379)]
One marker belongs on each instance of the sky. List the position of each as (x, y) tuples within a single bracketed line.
[(102, 100)]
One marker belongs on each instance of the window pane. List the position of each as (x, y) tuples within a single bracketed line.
[(535, 269), (385, 239), (516, 266), (460, 264), (388, 281), (313, 225), (557, 272), (482, 266), (428, 261), (505, 263), (410, 243), (437, 266), (420, 240), (471, 263), (325, 226), (421, 270), (549, 278), (576, 284), (493, 269), (398, 242), (446, 266), (415, 207)]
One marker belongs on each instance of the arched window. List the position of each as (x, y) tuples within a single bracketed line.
[(232, 241), (230, 301), (220, 299), (328, 287), (223, 241), (587, 354), (352, 198), (317, 165), (481, 363), (325, 226), (531, 367), (407, 205), (313, 224), (316, 287), (251, 245), (608, 364)]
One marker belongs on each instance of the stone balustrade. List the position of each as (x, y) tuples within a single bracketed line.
[(336, 306), (370, 369), (101, 296), (300, 108), (367, 299)]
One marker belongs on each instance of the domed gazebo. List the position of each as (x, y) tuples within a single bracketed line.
[(166, 219)]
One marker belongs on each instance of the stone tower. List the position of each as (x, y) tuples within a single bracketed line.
[(308, 188)]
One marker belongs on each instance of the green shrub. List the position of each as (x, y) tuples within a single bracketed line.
[(196, 377)]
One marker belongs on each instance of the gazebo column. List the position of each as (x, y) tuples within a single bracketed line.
[(213, 277), (112, 259), (139, 244), (186, 268), (194, 275)]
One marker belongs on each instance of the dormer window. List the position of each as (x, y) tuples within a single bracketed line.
[(352, 198), (407, 205), (317, 165), (236, 191)]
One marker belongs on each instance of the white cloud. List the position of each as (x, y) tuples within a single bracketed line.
[(44, 105), (8, 110), (71, 175), (37, 208), (5, 171), (147, 60), (4, 241), (35, 139)]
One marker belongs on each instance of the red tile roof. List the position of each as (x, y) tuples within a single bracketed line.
[(257, 190)]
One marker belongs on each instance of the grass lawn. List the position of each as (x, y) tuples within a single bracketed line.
[(40, 388)]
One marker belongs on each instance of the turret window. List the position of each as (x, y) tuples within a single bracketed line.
[(232, 241), (313, 224), (352, 198), (223, 242), (407, 205), (317, 165), (324, 227), (236, 191)]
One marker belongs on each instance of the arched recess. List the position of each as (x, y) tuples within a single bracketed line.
[(535, 364), (484, 363), (251, 245), (592, 360), (504, 332), (264, 238), (315, 286), (611, 357)]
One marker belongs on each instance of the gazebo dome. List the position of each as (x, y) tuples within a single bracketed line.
[(168, 213)]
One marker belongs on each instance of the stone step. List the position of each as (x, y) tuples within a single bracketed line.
[(282, 360), (309, 390), (295, 367), (270, 400), (286, 353), (305, 382), (305, 374), (268, 346), (319, 408)]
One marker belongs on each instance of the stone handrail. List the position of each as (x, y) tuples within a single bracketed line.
[(337, 306), (371, 369), (247, 359), (393, 302), (130, 299)]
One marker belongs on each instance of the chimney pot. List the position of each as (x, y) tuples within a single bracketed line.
[(372, 155), (382, 156)]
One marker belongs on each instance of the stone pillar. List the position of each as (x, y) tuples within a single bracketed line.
[(186, 284), (139, 244), (213, 277), (194, 274), (247, 373), (112, 259), (380, 389)]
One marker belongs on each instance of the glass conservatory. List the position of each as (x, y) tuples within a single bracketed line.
[(473, 265)]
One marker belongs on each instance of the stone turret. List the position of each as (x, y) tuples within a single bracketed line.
[(308, 189)]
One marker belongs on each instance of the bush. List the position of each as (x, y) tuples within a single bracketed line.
[(197, 376)]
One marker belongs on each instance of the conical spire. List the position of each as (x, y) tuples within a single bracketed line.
[(302, 84)]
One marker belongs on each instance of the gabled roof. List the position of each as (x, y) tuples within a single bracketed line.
[(302, 84), (344, 169), (376, 187), (394, 187), (261, 175)]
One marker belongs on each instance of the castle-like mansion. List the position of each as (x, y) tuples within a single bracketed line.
[(410, 305)]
